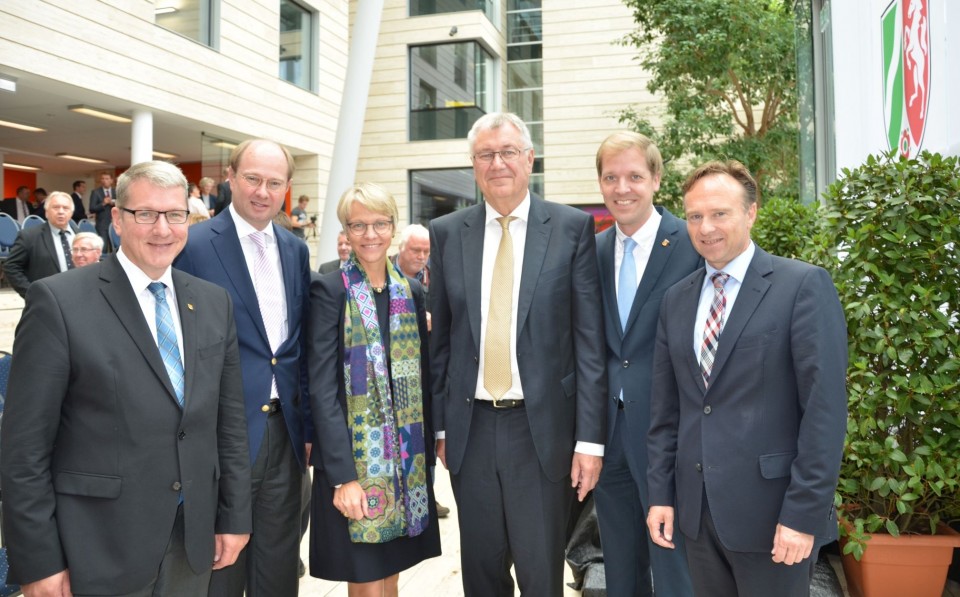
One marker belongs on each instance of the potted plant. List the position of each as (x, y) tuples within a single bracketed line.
[(894, 227)]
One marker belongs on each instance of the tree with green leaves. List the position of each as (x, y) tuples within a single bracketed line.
[(726, 70)]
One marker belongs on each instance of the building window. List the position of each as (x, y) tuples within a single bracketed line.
[(296, 44), (432, 7), (190, 18), (434, 193), (450, 88)]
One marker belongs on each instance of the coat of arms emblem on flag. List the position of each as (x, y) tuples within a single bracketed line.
[(906, 73)]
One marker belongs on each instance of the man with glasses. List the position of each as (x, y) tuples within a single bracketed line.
[(87, 249), (124, 449), (266, 271), (43, 250), (517, 361)]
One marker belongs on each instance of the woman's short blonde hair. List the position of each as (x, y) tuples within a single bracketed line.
[(371, 196)]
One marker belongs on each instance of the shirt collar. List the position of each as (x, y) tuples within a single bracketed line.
[(737, 268), (646, 234), (138, 279), (245, 229), (520, 212)]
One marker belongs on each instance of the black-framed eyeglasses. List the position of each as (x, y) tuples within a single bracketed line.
[(511, 154), (273, 184), (150, 216), (360, 228)]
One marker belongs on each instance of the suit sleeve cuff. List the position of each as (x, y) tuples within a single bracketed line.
[(588, 448)]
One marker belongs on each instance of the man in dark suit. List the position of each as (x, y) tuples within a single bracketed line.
[(266, 270), (101, 204), (17, 207), (79, 213), (633, 282), (44, 250), (223, 193), (517, 364), (343, 253), (748, 410), (124, 466)]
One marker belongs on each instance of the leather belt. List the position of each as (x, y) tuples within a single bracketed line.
[(273, 407), (501, 404)]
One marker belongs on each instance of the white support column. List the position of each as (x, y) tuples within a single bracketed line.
[(141, 137), (353, 108)]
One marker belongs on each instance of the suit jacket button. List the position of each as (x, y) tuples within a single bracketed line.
[(626, 364), (699, 467), (182, 435), (176, 486), (476, 359), (707, 409), (273, 361), (265, 408)]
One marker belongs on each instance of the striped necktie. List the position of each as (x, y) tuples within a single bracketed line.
[(713, 326), (167, 339)]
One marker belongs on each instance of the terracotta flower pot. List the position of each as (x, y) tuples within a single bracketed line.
[(914, 565)]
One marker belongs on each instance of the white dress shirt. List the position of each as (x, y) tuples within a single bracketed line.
[(148, 304), (737, 269), (644, 238)]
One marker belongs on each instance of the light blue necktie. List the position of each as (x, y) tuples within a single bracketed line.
[(628, 281), (167, 339)]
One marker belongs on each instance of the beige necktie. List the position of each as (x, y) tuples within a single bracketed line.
[(497, 377)]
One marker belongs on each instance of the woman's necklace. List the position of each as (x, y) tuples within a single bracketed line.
[(378, 289)]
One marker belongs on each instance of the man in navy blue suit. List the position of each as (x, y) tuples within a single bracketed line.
[(266, 270), (633, 281)]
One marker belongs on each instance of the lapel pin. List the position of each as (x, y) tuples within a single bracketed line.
[(665, 243), (190, 306)]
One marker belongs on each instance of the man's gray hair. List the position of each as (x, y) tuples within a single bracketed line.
[(57, 194), (90, 236), (495, 120), (411, 231), (162, 175)]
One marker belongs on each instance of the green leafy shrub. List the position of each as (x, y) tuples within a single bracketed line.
[(786, 227), (895, 226)]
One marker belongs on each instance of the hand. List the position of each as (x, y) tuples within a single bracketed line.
[(660, 525), (226, 548), (57, 585), (791, 547), (351, 501), (307, 448), (442, 452), (584, 473)]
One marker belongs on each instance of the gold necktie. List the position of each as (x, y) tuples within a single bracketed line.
[(497, 377)]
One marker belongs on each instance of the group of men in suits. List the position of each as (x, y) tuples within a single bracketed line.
[(21, 206)]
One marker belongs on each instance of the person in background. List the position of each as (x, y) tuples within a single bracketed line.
[(373, 511), (101, 205), (223, 192), (37, 207), (43, 250), (343, 255), (79, 213), (299, 219), (87, 248), (17, 207), (194, 203), (206, 185)]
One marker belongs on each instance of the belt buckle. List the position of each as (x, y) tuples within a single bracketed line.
[(496, 404)]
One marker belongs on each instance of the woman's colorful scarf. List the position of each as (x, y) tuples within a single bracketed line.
[(386, 423)]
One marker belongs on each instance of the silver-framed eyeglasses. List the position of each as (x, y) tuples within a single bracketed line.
[(79, 250), (150, 216), (254, 181), (511, 154), (360, 228)]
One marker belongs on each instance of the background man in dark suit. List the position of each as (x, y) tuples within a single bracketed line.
[(343, 253), (43, 250), (223, 193), (749, 402), (633, 282), (266, 270), (79, 213), (17, 207), (101, 204), (125, 471), (517, 364)]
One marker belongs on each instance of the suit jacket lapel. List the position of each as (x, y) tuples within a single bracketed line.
[(288, 271), (751, 292), (226, 244), (471, 246), (534, 252), (119, 295), (47, 241), (606, 247), (663, 246), (186, 301), (687, 310)]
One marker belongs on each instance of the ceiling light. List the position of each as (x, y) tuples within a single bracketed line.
[(22, 127), (80, 158), (224, 144), (22, 167), (164, 155), (163, 10), (111, 116), (8, 83)]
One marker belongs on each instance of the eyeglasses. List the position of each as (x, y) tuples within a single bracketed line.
[(150, 216), (273, 184), (507, 155), (360, 228), (81, 250)]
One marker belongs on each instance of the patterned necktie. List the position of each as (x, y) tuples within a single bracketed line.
[(497, 377), (167, 339), (269, 288), (713, 326), (628, 281), (66, 248)]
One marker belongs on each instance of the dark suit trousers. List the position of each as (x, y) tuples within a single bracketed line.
[(715, 570), (628, 553), (509, 512), (175, 576), (268, 565)]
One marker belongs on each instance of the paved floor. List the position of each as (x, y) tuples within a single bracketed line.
[(437, 577)]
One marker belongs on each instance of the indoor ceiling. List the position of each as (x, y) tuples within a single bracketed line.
[(43, 103)]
